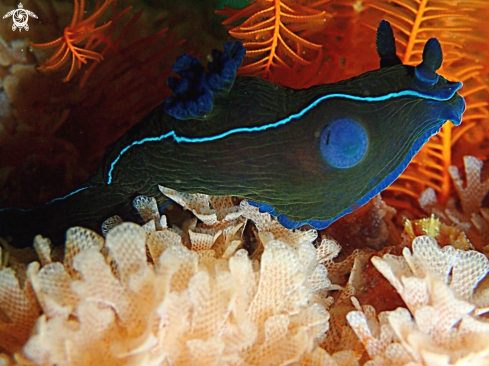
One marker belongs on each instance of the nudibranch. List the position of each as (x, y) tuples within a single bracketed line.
[(306, 156)]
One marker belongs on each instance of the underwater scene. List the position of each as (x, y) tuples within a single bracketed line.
[(244, 182)]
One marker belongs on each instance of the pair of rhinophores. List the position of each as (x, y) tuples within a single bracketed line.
[(306, 156)]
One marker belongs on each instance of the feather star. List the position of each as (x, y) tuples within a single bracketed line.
[(79, 32)]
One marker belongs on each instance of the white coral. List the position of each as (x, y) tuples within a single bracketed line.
[(177, 311), (473, 219), (473, 193), (443, 324), (143, 297)]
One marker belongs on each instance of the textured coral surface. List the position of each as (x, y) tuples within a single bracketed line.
[(198, 294)]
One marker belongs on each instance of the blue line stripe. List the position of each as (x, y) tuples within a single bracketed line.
[(53, 200), (180, 139), (69, 194)]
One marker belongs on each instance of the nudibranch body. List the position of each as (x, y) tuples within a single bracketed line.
[(307, 156)]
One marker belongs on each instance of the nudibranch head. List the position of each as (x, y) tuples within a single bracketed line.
[(422, 80), (369, 128), (306, 156)]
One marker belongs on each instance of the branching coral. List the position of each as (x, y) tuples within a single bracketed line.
[(472, 218), (142, 296), (199, 293), (443, 323)]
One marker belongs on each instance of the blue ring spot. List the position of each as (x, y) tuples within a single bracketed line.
[(343, 143)]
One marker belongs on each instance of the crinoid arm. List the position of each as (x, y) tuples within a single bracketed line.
[(77, 41)]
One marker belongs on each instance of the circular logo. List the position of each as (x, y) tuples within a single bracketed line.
[(20, 17)]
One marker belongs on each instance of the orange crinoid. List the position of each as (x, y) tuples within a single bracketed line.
[(275, 34), (77, 40)]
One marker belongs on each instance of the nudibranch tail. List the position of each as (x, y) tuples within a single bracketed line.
[(88, 206)]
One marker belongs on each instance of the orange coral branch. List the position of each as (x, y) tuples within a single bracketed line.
[(78, 34), (274, 34)]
